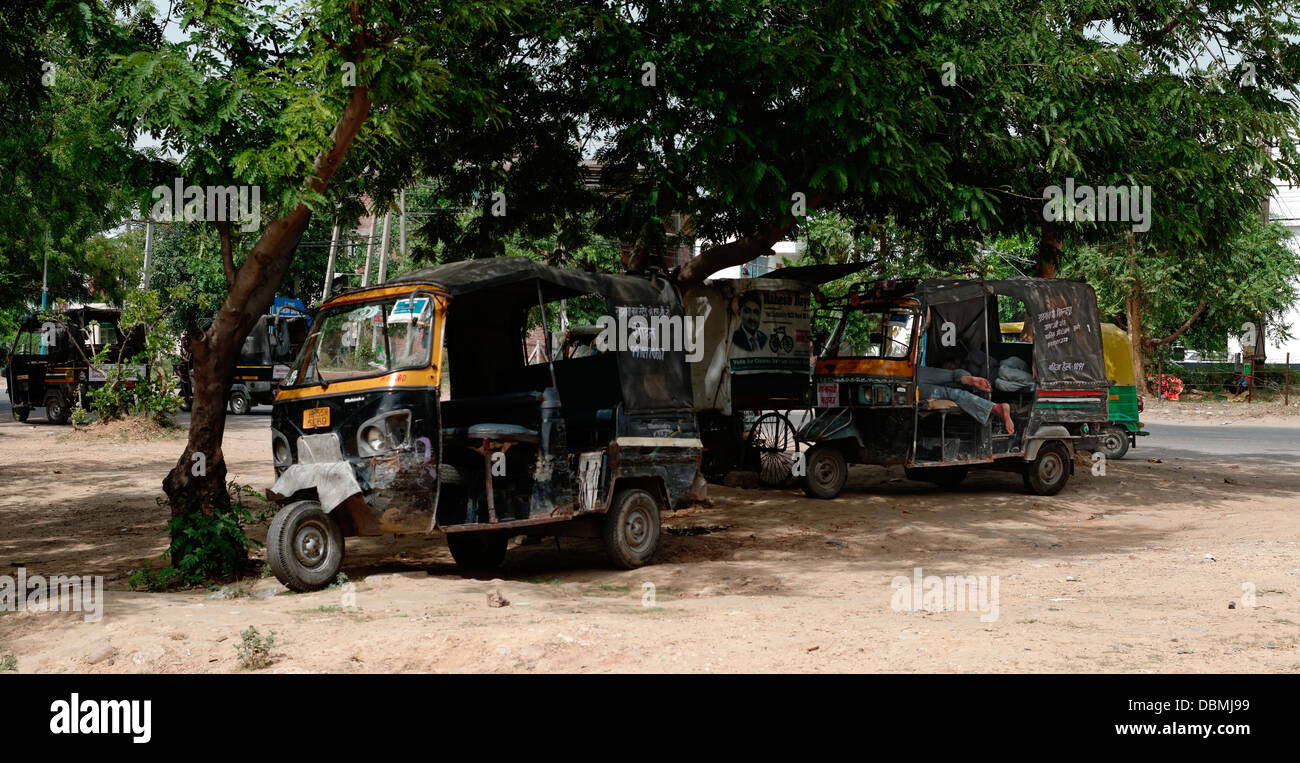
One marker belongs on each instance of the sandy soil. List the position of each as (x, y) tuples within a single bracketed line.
[(1132, 571)]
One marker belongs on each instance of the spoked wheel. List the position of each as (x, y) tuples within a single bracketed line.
[(631, 528), (1114, 442), (1049, 472), (827, 472), (772, 440), (304, 546)]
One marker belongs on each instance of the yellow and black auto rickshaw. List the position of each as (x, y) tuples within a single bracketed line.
[(49, 363), (918, 373), (371, 437)]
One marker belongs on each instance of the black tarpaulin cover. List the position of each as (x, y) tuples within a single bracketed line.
[(490, 300), (1062, 312)]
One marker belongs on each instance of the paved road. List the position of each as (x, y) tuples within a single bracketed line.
[(1213, 442), (1224, 443)]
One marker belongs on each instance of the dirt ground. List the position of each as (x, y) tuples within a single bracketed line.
[(1133, 571)]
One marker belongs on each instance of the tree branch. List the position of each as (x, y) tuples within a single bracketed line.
[(1200, 308)]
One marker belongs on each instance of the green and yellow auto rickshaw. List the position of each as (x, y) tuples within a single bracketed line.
[(1124, 423), (367, 440)]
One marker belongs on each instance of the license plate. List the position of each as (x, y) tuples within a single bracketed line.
[(313, 418)]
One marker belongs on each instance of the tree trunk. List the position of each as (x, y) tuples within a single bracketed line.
[(1050, 246), (742, 250), (1133, 313), (194, 492)]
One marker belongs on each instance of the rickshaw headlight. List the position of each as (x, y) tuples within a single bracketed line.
[(280, 449), (375, 439), (384, 433)]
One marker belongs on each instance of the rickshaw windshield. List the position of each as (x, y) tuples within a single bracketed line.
[(351, 342), (873, 333)]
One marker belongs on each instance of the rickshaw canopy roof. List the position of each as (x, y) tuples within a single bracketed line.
[(489, 302), (1062, 311)]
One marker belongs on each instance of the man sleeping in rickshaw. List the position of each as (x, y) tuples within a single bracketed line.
[(947, 384)]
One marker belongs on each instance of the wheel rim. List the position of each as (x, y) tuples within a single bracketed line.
[(824, 470), (311, 544), (1111, 442), (773, 437), (637, 528), (1050, 469)]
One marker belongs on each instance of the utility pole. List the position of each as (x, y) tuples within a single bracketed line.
[(383, 249), (45, 275), (148, 253), (401, 225), (370, 245), (329, 267)]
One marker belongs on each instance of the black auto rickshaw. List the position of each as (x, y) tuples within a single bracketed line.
[(49, 363), (263, 362), (898, 382), (413, 407)]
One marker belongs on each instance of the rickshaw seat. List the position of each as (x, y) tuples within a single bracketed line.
[(933, 404), (504, 433)]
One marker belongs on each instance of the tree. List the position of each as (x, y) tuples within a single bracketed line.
[(281, 100)]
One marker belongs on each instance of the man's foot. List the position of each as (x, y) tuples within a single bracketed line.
[(1004, 410)]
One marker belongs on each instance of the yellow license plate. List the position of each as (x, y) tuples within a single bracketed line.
[(314, 418)]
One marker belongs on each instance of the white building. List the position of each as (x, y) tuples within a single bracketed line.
[(1284, 207)]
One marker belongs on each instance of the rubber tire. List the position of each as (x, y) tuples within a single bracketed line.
[(946, 477), (1113, 434), (239, 402), (828, 462), (478, 551), (59, 412), (631, 528), (290, 570), (1051, 455)]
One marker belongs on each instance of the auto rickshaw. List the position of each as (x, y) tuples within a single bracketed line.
[(263, 362), (869, 382), (366, 440), (1125, 404), (49, 365)]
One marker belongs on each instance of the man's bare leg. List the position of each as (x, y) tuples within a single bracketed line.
[(1004, 410)]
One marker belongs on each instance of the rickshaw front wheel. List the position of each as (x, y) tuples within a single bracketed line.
[(239, 403), (631, 528), (477, 551), (1049, 472), (1114, 442), (826, 472), (304, 546)]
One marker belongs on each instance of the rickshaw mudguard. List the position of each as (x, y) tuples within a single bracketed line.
[(1044, 434), (831, 424), (333, 482)]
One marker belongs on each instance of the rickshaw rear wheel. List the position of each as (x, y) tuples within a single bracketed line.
[(304, 546), (1050, 471), (55, 409), (1114, 442), (946, 477), (239, 402), (631, 528), (477, 551), (826, 472)]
